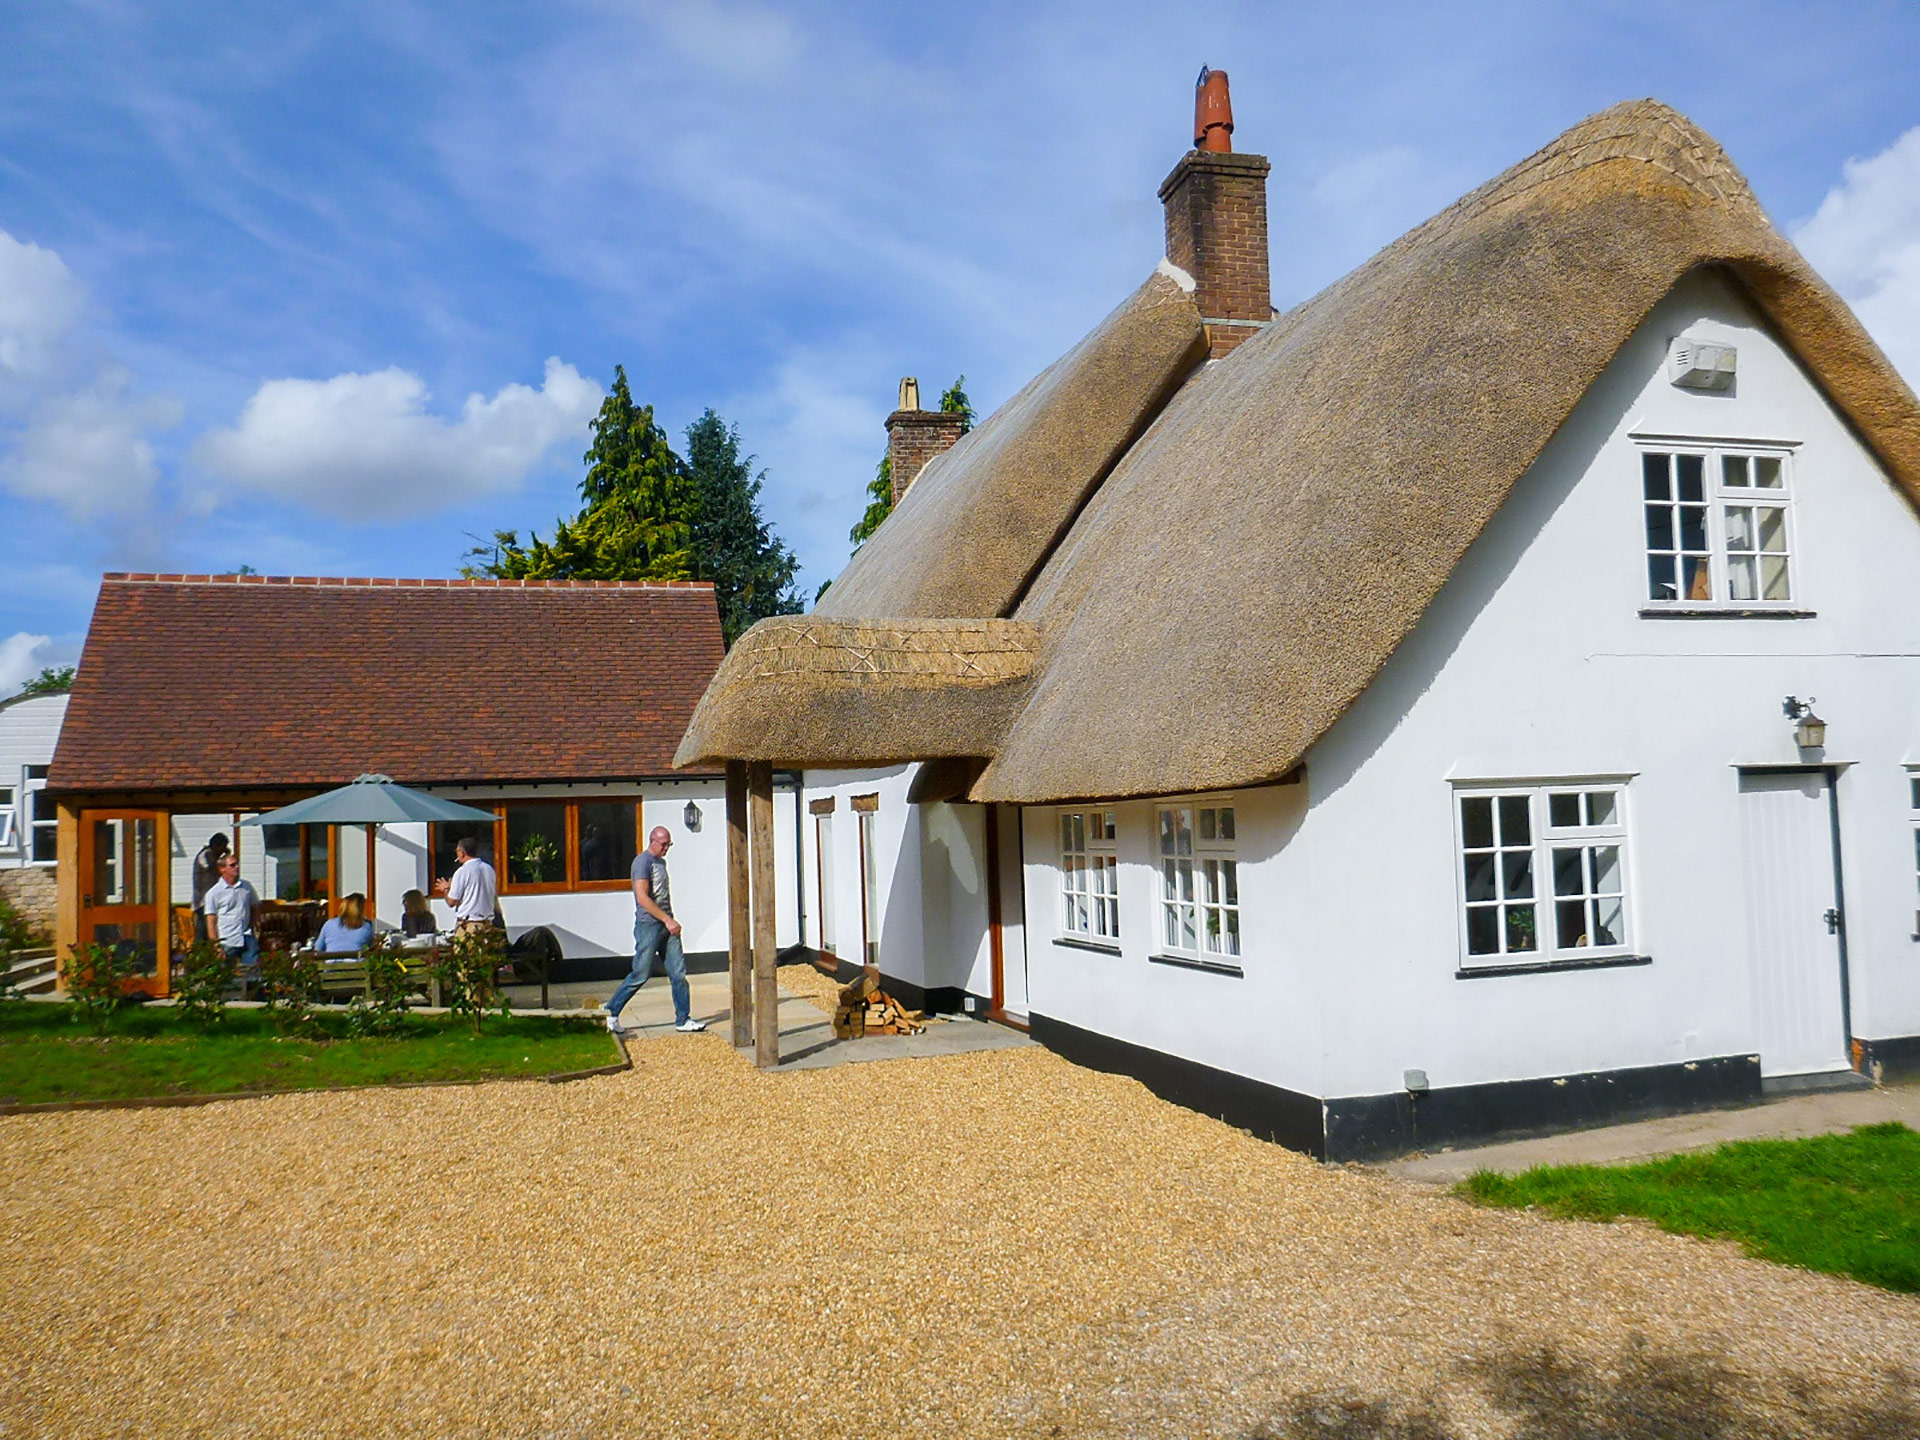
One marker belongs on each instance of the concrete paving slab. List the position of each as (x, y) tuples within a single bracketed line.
[(807, 1041), (1790, 1117)]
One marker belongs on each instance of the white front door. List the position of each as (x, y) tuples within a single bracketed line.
[(1794, 955)]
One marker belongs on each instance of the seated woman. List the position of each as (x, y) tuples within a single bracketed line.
[(416, 916), (349, 932)]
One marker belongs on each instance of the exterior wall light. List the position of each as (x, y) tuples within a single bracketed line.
[(692, 816), (1811, 731)]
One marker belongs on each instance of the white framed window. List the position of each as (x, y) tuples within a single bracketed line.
[(41, 821), (1719, 526), (1089, 875), (1199, 882), (1913, 815), (8, 819), (1543, 872)]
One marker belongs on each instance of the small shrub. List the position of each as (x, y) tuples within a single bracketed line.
[(200, 981), (96, 978), (15, 932), (383, 1009), (290, 980), (468, 971)]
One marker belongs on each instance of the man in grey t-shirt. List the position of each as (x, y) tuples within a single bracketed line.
[(654, 930)]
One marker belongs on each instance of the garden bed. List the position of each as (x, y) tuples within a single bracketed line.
[(153, 1052), (1845, 1204)]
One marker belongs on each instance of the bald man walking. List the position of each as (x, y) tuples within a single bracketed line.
[(655, 928)]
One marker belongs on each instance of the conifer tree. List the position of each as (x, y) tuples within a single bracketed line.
[(751, 569)]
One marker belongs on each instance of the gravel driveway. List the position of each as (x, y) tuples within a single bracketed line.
[(991, 1244)]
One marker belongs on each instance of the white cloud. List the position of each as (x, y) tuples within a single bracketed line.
[(1865, 238), (365, 446), (40, 303), (72, 429), (22, 656)]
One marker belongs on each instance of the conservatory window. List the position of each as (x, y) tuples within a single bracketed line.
[(1543, 873), (1199, 882), (1089, 875), (8, 818), (1719, 527), (41, 821)]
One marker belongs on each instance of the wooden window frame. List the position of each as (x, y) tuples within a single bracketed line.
[(1717, 498), (1090, 876), (570, 883), (30, 823), (1213, 883), (1544, 839)]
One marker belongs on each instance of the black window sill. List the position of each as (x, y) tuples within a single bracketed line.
[(1545, 967), (1187, 962), (1099, 947), (1721, 612)]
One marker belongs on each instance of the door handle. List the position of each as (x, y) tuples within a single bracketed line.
[(1834, 922)]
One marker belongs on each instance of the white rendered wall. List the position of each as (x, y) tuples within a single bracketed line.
[(930, 891), (29, 730), (1534, 662)]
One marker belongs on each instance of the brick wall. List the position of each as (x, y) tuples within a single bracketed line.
[(30, 890), (1217, 232), (913, 438)]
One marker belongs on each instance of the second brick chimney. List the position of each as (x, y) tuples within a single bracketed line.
[(915, 436), (1217, 222)]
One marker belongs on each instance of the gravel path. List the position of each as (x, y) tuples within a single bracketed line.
[(990, 1244)]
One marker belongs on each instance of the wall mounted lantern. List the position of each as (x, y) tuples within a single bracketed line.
[(692, 816), (1810, 733)]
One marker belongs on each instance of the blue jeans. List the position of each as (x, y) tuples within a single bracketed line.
[(247, 953), (648, 938)]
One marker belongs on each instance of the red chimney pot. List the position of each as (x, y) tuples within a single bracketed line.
[(1212, 112)]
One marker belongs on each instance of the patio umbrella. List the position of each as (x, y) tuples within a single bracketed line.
[(373, 800)]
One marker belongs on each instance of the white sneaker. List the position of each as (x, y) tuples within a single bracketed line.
[(690, 1026), (613, 1024)]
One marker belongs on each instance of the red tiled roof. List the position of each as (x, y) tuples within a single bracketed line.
[(194, 682)]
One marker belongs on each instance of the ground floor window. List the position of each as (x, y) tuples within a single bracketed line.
[(42, 819), (550, 845), (299, 861), (822, 811), (1199, 881), (1543, 872), (7, 817), (865, 807), (1089, 875), (1913, 803)]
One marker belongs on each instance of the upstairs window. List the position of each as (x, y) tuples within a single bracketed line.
[(1543, 873), (1719, 528), (1089, 876), (1199, 882)]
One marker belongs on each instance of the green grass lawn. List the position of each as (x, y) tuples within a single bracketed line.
[(1846, 1204), (45, 1054)]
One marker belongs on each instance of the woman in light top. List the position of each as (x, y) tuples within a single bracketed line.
[(349, 932)]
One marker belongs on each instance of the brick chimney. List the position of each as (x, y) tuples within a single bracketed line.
[(1217, 222), (915, 436)]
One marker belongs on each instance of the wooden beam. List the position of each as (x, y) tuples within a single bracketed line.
[(163, 900), (67, 883), (766, 982), (739, 915)]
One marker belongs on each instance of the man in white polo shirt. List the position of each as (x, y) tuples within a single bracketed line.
[(473, 890), (230, 905)]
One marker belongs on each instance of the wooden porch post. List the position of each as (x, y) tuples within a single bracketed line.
[(739, 918), (766, 982), (67, 883)]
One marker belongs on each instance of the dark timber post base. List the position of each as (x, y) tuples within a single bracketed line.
[(766, 982), (739, 914)]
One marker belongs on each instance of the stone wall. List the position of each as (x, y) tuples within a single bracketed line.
[(30, 890)]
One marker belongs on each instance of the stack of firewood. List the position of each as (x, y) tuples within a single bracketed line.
[(865, 1009)]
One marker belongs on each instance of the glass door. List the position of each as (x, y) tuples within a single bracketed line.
[(120, 895)]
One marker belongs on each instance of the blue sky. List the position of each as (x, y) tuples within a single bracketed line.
[(321, 288)]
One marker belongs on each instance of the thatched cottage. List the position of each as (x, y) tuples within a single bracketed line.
[(1391, 722)]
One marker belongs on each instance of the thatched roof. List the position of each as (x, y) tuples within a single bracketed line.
[(978, 521), (1242, 574), (803, 690)]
